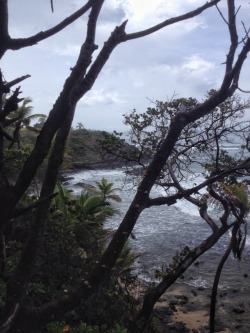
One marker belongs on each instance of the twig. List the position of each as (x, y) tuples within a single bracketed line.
[(52, 6), (221, 14), (10, 321)]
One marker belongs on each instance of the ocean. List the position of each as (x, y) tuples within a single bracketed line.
[(163, 231)]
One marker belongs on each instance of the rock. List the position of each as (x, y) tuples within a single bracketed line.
[(201, 288), (182, 299), (167, 320), (238, 310), (178, 328), (163, 312), (238, 327), (80, 184), (172, 305), (194, 292), (245, 275), (62, 178)]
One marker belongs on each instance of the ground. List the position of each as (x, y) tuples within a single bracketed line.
[(185, 309)]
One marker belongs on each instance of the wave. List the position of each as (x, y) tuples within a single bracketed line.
[(162, 231)]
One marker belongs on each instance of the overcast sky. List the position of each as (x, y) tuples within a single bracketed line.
[(185, 59)]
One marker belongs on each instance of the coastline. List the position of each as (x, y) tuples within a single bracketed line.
[(185, 308)]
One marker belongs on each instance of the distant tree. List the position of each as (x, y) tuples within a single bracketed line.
[(51, 141), (39, 124), (202, 141), (79, 126)]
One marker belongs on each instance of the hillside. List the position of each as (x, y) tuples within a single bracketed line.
[(84, 150)]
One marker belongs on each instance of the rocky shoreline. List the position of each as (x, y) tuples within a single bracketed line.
[(185, 309)]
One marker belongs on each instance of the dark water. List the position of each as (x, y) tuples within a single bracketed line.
[(162, 231)]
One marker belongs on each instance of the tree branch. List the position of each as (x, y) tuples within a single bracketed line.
[(52, 6), (154, 294), (170, 21), (11, 105), (117, 36), (233, 240), (16, 285), (10, 84), (18, 43), (172, 199), (4, 16), (5, 133)]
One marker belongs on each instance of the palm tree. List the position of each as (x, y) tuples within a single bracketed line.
[(21, 118), (91, 207), (94, 207), (105, 190)]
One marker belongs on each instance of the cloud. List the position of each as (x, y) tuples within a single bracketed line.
[(184, 58), (96, 97), (197, 66), (140, 14), (69, 49)]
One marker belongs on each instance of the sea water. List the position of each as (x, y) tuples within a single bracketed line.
[(163, 231)]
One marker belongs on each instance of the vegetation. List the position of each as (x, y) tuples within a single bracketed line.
[(73, 239), (200, 143), (95, 271), (83, 148)]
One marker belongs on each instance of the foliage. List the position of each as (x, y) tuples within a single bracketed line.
[(19, 119), (59, 327), (174, 150), (83, 146), (200, 142), (72, 239), (105, 190), (176, 260), (125, 261), (14, 160)]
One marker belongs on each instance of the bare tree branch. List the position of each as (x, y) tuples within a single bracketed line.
[(4, 32), (57, 125), (221, 14), (5, 133), (52, 6), (10, 84), (224, 203), (233, 35), (202, 205), (153, 295), (117, 36), (170, 21), (233, 241), (244, 91), (18, 43), (184, 193), (16, 285)]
